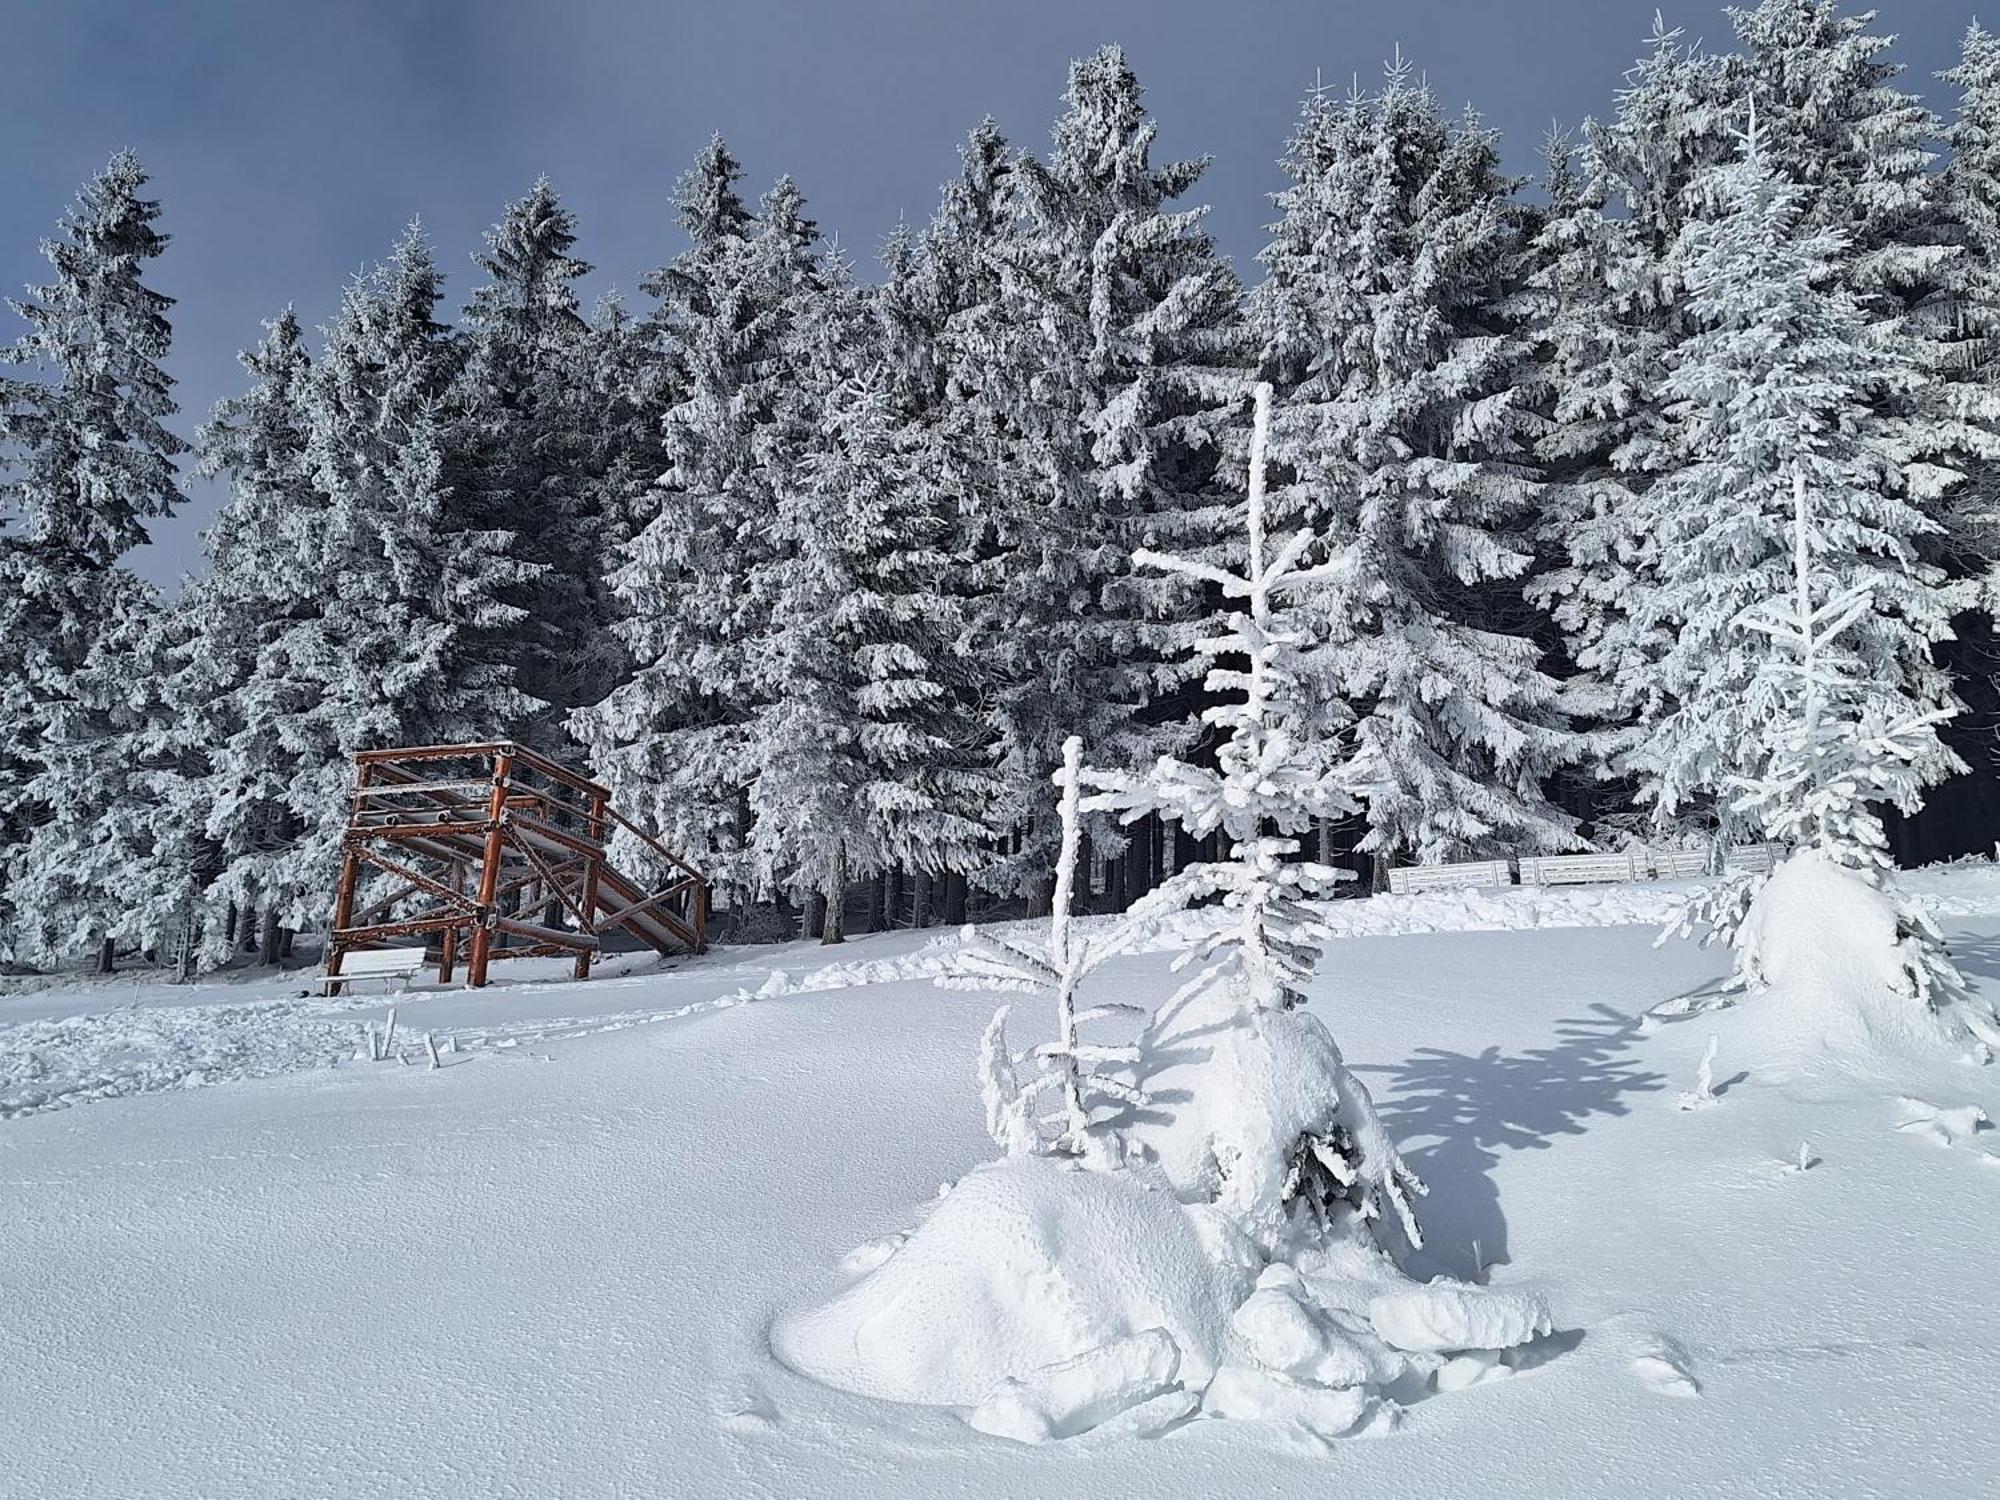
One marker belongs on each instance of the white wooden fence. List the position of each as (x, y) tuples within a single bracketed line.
[(1581, 869)]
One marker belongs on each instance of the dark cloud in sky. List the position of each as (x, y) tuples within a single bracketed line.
[(291, 139)]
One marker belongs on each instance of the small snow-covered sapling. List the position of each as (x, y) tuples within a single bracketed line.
[(1703, 1092), (1068, 1072)]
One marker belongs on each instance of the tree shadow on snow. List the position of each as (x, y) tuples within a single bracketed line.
[(1978, 958), (1470, 1107)]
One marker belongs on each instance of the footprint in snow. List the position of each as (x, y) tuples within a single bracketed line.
[(742, 1407), (1663, 1369)]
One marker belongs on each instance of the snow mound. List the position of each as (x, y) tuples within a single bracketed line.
[(1049, 1301), (1943, 1125), (1238, 1092), (1827, 950), (1441, 1318), (1076, 1395), (1026, 1264)]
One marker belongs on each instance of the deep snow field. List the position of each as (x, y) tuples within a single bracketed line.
[(236, 1260)]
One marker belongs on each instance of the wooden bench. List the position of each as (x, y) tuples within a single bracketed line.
[(374, 964), (1481, 874), (1584, 869)]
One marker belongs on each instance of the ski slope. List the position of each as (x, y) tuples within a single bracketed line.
[(549, 1266)]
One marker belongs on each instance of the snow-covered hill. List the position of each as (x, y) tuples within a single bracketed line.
[(550, 1266)]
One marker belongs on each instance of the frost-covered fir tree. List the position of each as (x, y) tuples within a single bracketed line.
[(1404, 437), (530, 444), (671, 740), (1112, 362), (1781, 377), (1273, 1125), (1609, 304), (1971, 191), (1860, 149), (861, 757), (255, 641), (1841, 958), (85, 460)]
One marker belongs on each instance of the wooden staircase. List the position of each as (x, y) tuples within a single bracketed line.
[(496, 851)]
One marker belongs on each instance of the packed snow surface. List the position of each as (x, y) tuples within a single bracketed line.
[(552, 1265)]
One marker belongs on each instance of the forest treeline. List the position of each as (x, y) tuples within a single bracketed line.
[(818, 570)]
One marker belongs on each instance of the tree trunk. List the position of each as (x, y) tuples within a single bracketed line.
[(285, 943), (107, 956), (229, 926), (1139, 862), (246, 932), (876, 900), (1041, 897), (1378, 873), (272, 940), (920, 900), (954, 899), (893, 896), (833, 903)]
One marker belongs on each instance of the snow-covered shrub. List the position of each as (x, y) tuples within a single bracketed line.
[(1842, 967)]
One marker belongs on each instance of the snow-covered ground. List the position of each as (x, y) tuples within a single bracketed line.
[(550, 1266)]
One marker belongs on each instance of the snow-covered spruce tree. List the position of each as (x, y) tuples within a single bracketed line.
[(255, 646), (1860, 149), (1404, 437), (528, 452), (1971, 190), (1834, 752), (1113, 358), (1608, 305), (1273, 1124), (860, 758), (85, 460), (121, 858), (1779, 373), (671, 741)]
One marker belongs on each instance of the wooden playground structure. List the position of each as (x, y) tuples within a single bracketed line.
[(494, 851)]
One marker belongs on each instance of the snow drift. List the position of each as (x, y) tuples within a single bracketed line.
[(1045, 1300), (1027, 1262)]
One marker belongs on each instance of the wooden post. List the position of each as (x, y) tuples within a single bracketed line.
[(489, 872), (593, 830), (448, 943), (350, 872)]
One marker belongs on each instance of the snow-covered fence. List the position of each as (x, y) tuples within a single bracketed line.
[(1585, 869), (1485, 872), (1582, 869)]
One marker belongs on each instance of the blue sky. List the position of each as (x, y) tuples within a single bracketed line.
[(291, 140)]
